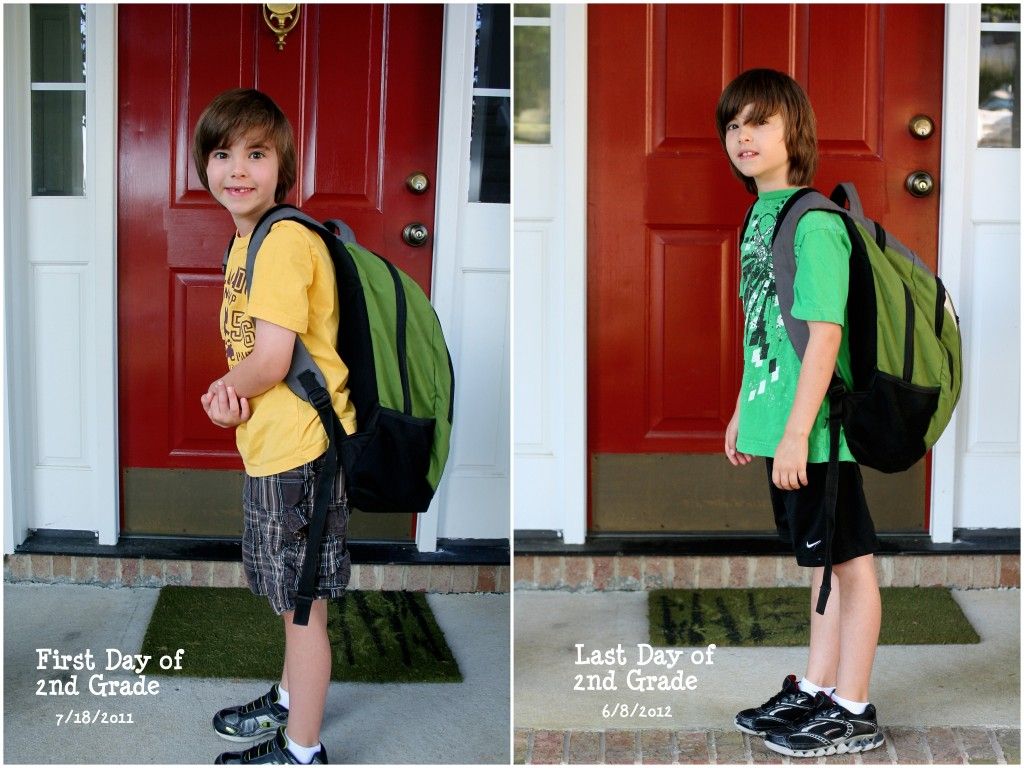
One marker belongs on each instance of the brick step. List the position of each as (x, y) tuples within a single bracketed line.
[(586, 573), (923, 746), (150, 572)]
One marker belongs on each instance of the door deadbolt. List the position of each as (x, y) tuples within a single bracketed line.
[(415, 234), (417, 183), (920, 184), (921, 126)]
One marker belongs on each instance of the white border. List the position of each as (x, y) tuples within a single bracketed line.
[(453, 145), (575, 210), (960, 95)]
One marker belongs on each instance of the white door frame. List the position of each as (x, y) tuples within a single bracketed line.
[(92, 268), (471, 259)]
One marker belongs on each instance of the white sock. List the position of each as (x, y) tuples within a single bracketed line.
[(302, 754), (282, 696), (853, 707), (811, 689)]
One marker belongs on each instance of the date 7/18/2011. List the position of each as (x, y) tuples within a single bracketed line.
[(637, 710), (85, 717)]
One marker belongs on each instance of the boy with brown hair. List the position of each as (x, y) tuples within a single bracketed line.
[(767, 128), (244, 151)]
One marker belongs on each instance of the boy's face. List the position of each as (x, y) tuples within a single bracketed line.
[(243, 178), (759, 150)]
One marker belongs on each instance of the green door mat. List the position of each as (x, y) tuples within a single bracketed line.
[(376, 637), (780, 616)]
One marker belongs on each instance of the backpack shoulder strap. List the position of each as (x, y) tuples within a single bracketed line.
[(302, 361), (784, 258)]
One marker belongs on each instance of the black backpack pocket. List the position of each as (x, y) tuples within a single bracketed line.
[(885, 424), (386, 463)]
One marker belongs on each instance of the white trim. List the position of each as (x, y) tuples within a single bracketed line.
[(575, 208), (960, 97), (102, 29), (456, 101), (60, 86), (17, 180), (500, 93)]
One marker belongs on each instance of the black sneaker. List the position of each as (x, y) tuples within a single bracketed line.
[(257, 719), (829, 730), (780, 711), (273, 751)]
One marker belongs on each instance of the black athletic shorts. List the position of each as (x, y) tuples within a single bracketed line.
[(800, 516)]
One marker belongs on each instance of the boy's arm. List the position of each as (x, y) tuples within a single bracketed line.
[(226, 400), (731, 435), (790, 466)]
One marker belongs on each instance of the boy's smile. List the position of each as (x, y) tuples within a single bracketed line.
[(243, 178), (759, 150)]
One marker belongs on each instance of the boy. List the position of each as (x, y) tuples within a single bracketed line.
[(767, 129), (244, 151)]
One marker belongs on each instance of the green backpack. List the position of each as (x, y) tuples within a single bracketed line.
[(904, 338), (401, 382)]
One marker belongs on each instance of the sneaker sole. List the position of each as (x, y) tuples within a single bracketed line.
[(751, 731), (854, 744)]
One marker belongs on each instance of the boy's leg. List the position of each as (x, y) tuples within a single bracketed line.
[(824, 651), (307, 673), (860, 620)]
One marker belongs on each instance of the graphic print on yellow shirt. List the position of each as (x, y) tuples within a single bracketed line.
[(294, 288)]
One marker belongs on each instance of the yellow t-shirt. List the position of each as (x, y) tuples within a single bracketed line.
[(295, 289)]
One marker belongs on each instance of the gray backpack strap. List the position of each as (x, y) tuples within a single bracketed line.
[(845, 192), (301, 359), (345, 233), (784, 258)]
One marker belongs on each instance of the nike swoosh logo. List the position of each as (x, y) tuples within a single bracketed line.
[(812, 545)]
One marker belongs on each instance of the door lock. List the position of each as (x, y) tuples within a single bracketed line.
[(921, 126), (417, 182), (920, 184), (415, 234)]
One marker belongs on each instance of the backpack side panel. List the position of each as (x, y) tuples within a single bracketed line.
[(430, 372), (382, 313)]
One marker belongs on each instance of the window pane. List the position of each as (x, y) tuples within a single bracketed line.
[(489, 174), (536, 10), (1000, 12), (533, 85), (998, 108), (492, 41), (57, 39), (58, 143)]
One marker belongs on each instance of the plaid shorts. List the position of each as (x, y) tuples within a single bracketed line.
[(277, 511)]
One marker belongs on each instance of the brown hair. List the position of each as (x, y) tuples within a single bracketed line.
[(770, 92), (235, 113)]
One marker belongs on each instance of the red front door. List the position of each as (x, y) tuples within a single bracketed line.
[(360, 85), (664, 316)]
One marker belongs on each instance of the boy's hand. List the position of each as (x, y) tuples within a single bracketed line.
[(223, 407), (789, 470), (731, 434)]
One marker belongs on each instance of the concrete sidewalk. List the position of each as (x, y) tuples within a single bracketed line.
[(364, 724), (916, 688)]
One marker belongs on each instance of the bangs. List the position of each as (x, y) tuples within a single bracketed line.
[(762, 93)]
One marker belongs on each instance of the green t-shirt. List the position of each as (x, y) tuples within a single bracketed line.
[(771, 367)]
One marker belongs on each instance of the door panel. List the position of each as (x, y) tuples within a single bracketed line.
[(345, 78), (664, 315)]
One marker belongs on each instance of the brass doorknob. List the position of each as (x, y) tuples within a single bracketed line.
[(415, 234), (921, 126), (920, 184), (417, 183)]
